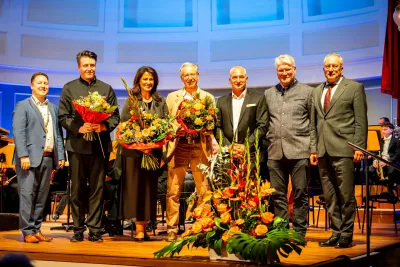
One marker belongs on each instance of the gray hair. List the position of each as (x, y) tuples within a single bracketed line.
[(238, 67), (287, 59), (336, 55), (186, 64)]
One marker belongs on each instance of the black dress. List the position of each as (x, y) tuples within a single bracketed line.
[(139, 186)]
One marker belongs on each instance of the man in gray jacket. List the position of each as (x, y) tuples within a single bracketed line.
[(340, 108), (288, 107)]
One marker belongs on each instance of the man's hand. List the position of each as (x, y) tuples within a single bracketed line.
[(383, 164), (358, 156), (99, 127), (86, 128), (5, 183), (238, 151), (313, 159), (215, 147), (61, 163), (25, 163)]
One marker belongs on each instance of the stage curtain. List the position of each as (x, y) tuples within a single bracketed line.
[(390, 68)]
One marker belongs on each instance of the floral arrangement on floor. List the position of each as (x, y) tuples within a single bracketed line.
[(93, 108), (197, 115), (144, 131), (234, 214)]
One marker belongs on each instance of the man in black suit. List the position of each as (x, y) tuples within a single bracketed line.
[(239, 111), (88, 166), (339, 116), (391, 152)]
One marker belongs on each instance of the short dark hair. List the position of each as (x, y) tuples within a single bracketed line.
[(39, 74), (85, 53), (136, 83), (388, 124), (385, 119)]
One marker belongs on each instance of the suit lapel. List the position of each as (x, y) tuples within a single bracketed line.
[(36, 110), (319, 89), (246, 101), (229, 105), (339, 91)]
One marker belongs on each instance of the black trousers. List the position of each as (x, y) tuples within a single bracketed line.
[(279, 171), (338, 182), (87, 186)]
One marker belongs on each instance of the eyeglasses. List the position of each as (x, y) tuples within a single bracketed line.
[(334, 67), (281, 71), (189, 76)]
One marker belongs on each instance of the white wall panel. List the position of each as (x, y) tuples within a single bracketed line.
[(3, 42)]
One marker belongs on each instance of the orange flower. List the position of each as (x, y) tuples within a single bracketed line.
[(197, 212), (216, 201), (228, 192), (207, 223), (197, 227), (207, 196), (226, 217), (239, 222), (221, 208), (261, 230), (216, 194), (242, 195), (252, 203), (267, 217)]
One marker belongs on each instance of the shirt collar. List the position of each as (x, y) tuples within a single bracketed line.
[(86, 83), (242, 95), (387, 138), (281, 88), (185, 93), (38, 103), (336, 83)]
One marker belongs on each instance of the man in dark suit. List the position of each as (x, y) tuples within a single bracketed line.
[(239, 111), (38, 149), (390, 151), (87, 164), (288, 108), (340, 117)]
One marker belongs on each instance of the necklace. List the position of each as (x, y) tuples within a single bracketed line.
[(147, 100)]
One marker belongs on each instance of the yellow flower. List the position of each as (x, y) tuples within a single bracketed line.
[(137, 128), (122, 125), (209, 118), (207, 196), (138, 134), (197, 227), (261, 230), (239, 221), (188, 113), (148, 115), (198, 121), (198, 106), (226, 217), (197, 113), (87, 104), (129, 132), (146, 132)]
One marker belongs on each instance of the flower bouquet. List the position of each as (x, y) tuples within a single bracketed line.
[(93, 109), (196, 115), (144, 132), (234, 214)]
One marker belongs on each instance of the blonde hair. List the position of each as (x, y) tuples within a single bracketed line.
[(186, 64), (287, 59)]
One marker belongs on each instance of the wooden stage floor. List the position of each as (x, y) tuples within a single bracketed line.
[(122, 251)]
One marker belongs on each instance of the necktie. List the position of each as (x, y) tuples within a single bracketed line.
[(327, 99)]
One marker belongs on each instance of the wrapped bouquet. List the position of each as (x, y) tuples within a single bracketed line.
[(144, 132), (93, 109), (197, 115)]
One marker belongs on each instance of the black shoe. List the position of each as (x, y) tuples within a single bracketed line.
[(330, 242), (77, 237), (344, 242), (95, 237), (56, 216)]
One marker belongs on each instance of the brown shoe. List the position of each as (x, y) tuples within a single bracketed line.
[(31, 239), (42, 238)]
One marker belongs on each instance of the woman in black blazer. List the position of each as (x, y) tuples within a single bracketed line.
[(139, 186)]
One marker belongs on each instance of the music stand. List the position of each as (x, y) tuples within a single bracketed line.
[(367, 208), (66, 226)]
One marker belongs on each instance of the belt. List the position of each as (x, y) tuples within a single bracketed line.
[(184, 140), (47, 154)]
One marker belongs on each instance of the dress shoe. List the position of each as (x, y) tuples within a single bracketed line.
[(172, 236), (77, 237), (42, 238), (95, 237), (140, 237), (344, 242), (31, 239), (330, 242)]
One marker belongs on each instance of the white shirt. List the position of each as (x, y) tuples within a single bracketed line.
[(333, 90), (43, 107), (189, 96), (385, 150), (237, 103)]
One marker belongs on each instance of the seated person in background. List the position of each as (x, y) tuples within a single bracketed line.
[(58, 182), (383, 120), (10, 192), (389, 151)]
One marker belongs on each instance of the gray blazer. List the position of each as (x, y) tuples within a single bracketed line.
[(345, 121), (29, 134), (289, 121)]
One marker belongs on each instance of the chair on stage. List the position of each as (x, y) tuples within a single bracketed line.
[(314, 190)]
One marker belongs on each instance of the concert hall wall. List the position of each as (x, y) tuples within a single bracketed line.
[(45, 35)]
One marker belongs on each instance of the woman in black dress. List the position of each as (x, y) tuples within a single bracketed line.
[(139, 186)]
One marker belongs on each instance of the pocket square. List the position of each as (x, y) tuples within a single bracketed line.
[(251, 105)]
